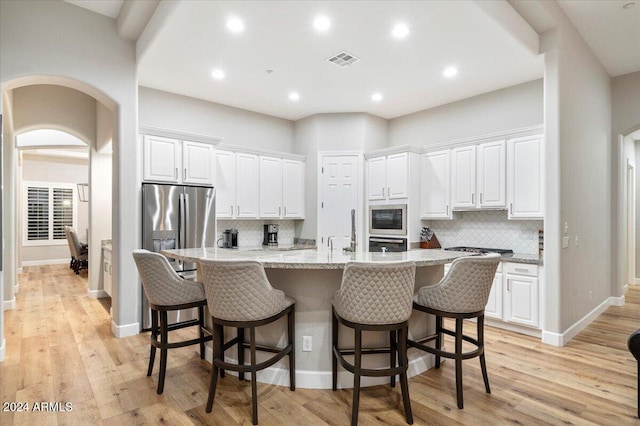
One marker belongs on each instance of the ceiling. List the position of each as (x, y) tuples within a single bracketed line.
[(192, 40)]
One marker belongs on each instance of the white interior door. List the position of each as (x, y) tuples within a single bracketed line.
[(338, 195)]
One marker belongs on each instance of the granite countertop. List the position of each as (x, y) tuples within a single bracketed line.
[(313, 259), (532, 259)]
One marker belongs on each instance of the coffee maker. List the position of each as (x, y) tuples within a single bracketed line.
[(270, 235), (229, 239)]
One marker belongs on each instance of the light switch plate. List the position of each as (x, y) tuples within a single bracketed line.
[(565, 242)]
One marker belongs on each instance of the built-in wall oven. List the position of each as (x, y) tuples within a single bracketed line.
[(390, 219), (384, 244)]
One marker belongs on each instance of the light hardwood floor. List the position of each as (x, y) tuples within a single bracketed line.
[(60, 349)]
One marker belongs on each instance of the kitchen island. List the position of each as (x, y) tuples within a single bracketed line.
[(312, 277)]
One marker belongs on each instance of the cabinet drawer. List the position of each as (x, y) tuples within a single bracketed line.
[(521, 269)]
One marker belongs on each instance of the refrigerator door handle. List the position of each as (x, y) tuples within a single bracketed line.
[(185, 219), (182, 221)]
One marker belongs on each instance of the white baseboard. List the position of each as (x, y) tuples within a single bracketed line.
[(43, 262), (3, 349), (125, 330), (8, 305), (322, 379), (16, 288), (561, 339), (522, 329), (97, 294)]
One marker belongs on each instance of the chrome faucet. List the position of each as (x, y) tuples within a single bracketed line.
[(330, 242), (353, 244)]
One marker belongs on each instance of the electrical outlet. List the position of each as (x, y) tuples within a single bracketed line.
[(576, 242), (566, 227), (565, 242), (306, 343)]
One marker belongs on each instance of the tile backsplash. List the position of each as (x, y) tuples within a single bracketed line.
[(489, 228), (251, 232)]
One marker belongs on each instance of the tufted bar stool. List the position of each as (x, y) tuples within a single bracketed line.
[(167, 291), (239, 295), (374, 297), (461, 294)]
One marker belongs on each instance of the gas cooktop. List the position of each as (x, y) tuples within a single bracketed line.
[(480, 250)]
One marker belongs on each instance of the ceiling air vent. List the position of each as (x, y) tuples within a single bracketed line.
[(343, 59)]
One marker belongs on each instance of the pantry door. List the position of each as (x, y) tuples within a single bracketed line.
[(339, 191)]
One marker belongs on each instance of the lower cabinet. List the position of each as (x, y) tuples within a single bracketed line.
[(514, 294), (107, 271)]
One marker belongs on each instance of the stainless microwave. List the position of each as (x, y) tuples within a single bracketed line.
[(390, 219)]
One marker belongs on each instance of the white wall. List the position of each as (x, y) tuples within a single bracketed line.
[(38, 168), (637, 171), (54, 42), (44, 106), (235, 126), (332, 132), (510, 108)]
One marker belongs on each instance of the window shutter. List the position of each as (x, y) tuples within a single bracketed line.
[(62, 211), (37, 213)]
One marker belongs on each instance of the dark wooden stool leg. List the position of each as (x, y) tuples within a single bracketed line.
[(217, 348), (240, 349), (200, 329), (220, 331), (334, 345), (438, 338), (393, 349), (154, 337), (483, 363), (254, 385), (404, 383), (164, 335), (291, 316), (458, 352), (356, 377)]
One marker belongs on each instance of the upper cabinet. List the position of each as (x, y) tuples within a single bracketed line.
[(293, 178), (237, 185), (435, 185), (388, 177), (524, 178), (177, 161), (479, 176), (281, 188)]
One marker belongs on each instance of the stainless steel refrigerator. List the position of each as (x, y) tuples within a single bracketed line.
[(175, 217)]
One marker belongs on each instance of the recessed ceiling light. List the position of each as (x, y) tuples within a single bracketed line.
[(294, 96), (376, 97), (450, 72), (629, 5), (321, 23), (235, 25), (400, 30), (217, 74)]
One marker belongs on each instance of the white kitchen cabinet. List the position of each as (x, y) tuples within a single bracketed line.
[(225, 184), (388, 177), (293, 191), (491, 175), (479, 176), (524, 178), (521, 294), (271, 187), (435, 187), (107, 272), (493, 309), (463, 177), (247, 185), (177, 161)]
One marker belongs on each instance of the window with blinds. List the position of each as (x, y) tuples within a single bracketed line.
[(49, 207)]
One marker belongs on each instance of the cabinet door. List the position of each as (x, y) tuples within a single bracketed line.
[(524, 178), (270, 187), (247, 185), (492, 175), (398, 176), (521, 300), (463, 178), (435, 188), (293, 189), (225, 184), (493, 309), (161, 159), (197, 163), (377, 178)]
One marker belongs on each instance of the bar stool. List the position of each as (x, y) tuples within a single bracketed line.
[(374, 297), (240, 296), (461, 294), (167, 291)]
